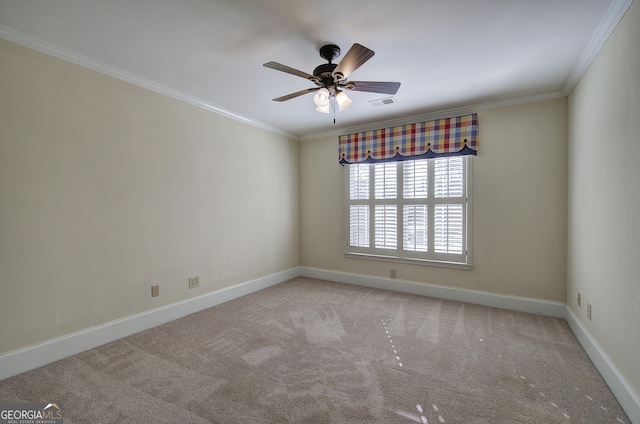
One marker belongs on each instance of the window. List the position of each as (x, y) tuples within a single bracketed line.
[(415, 210)]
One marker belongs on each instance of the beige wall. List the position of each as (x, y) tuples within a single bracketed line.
[(604, 198), (107, 188), (519, 208)]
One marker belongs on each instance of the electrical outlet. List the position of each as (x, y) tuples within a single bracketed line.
[(155, 291), (589, 310), (392, 273), (194, 282), (579, 299)]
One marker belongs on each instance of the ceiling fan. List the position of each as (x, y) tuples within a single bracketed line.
[(331, 78)]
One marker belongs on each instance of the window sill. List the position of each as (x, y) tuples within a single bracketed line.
[(423, 262)]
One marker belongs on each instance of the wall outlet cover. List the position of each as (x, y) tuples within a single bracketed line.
[(194, 282)]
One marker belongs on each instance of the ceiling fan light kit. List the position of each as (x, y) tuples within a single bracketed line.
[(331, 78)]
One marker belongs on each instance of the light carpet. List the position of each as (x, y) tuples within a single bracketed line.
[(312, 351)]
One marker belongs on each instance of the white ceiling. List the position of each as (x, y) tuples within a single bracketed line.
[(446, 54)]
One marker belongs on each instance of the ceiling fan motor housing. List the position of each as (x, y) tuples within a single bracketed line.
[(324, 72)]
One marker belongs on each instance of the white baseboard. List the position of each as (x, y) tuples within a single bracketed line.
[(21, 360), (628, 398), (515, 303)]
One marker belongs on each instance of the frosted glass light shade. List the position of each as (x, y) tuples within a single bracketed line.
[(324, 108), (343, 100), (321, 98)]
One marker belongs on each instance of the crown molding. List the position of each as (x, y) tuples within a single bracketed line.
[(439, 114), (94, 65), (611, 20), (608, 24), (615, 13)]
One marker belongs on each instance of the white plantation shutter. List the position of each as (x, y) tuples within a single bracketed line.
[(359, 182), (415, 228), (415, 179), (359, 225), (386, 227), (449, 208), (359, 217), (415, 210), (448, 233), (415, 214), (386, 184), (448, 177)]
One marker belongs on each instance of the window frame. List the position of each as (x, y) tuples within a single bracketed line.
[(398, 254)]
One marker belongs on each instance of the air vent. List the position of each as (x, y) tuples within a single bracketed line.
[(383, 102)]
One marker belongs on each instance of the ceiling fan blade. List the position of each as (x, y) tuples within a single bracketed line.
[(384, 87), (279, 67), (296, 94), (355, 57)]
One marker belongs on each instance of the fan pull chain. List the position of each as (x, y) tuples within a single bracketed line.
[(334, 111)]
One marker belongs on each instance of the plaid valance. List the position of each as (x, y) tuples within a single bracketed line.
[(443, 137)]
